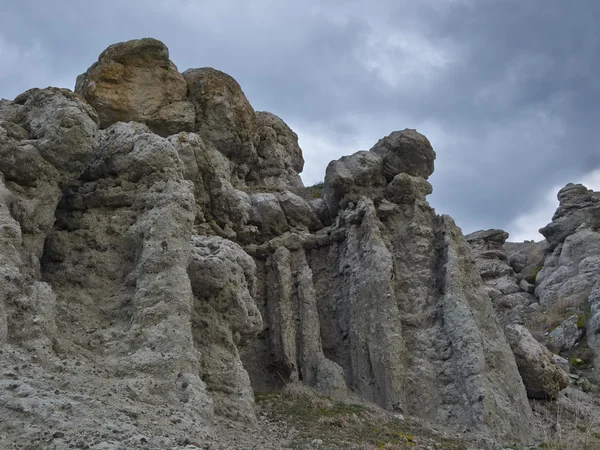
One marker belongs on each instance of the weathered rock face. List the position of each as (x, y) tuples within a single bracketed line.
[(279, 156), (568, 280), (390, 295), (542, 376), (139, 261), (578, 205), (526, 258), (224, 318), (512, 300), (396, 168), (224, 116), (405, 152), (136, 81)]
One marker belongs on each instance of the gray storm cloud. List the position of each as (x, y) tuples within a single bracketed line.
[(506, 90)]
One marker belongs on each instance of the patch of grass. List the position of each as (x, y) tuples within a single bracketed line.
[(578, 362), (343, 425), (581, 320), (556, 314), (310, 192)]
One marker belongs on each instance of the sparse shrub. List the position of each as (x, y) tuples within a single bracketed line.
[(535, 272), (301, 392), (310, 192), (581, 319), (556, 314), (577, 362)]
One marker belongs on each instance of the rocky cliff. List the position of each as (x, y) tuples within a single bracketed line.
[(161, 261), (549, 291)]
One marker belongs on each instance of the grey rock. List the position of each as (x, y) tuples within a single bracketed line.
[(268, 214), (526, 258), (571, 270), (543, 378), (225, 317), (279, 155), (509, 300), (320, 209), (298, 212), (123, 311), (578, 205), (564, 336), (294, 318), (406, 189), (407, 152), (563, 364), (526, 286), (375, 301), (350, 177), (224, 117)]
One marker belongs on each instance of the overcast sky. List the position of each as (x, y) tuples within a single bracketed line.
[(507, 91)]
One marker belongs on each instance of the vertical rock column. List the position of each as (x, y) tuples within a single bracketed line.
[(295, 325)]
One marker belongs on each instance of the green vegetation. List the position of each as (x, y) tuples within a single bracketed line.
[(577, 362), (342, 425), (310, 192), (581, 320)]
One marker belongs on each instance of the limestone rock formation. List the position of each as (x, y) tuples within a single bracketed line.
[(136, 81), (159, 262), (526, 258), (279, 157), (398, 302), (542, 376), (512, 300), (577, 205), (405, 152), (568, 280), (224, 116)]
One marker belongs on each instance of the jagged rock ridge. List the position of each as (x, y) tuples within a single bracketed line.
[(149, 266)]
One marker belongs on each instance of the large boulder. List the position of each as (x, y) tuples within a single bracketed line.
[(224, 117), (405, 151), (577, 205), (352, 176), (279, 155), (406, 189), (542, 376), (136, 81)]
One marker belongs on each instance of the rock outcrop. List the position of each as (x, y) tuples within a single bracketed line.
[(526, 259), (543, 378), (512, 300), (136, 81), (568, 281), (159, 260), (399, 301)]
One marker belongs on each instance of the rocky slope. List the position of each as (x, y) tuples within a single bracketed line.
[(161, 262), (549, 290)]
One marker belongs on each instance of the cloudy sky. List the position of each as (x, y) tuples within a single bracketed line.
[(507, 91)]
